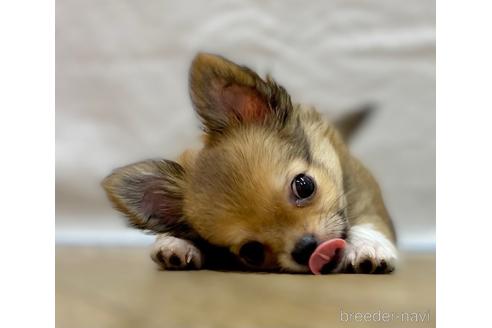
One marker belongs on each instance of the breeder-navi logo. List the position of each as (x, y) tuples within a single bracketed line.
[(383, 316)]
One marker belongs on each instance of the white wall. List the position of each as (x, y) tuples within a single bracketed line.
[(121, 79)]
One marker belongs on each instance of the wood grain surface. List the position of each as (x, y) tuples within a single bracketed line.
[(121, 287)]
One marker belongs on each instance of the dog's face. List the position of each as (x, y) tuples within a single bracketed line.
[(254, 192), (268, 183)]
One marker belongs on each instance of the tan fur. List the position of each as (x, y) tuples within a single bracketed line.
[(237, 188), (258, 209)]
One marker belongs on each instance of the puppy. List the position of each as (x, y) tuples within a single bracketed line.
[(273, 180)]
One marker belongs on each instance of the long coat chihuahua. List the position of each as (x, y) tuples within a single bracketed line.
[(273, 181)]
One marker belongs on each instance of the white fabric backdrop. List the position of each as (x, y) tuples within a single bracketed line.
[(121, 79)]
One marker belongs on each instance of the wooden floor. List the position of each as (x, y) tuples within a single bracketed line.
[(108, 287)]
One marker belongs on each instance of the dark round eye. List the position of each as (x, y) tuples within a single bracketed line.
[(303, 186), (253, 253)]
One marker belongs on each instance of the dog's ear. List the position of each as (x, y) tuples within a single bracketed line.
[(348, 124), (150, 194), (225, 94)]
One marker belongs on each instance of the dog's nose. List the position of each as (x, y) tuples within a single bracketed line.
[(304, 248)]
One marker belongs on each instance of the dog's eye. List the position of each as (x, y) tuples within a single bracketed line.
[(252, 252), (303, 186)]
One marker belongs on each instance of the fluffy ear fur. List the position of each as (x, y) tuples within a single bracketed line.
[(350, 123), (225, 94), (150, 194)]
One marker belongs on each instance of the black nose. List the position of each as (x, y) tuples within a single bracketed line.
[(304, 248)]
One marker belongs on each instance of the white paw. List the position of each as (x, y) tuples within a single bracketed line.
[(173, 253), (368, 251)]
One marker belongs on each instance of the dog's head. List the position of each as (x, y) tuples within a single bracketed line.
[(268, 183)]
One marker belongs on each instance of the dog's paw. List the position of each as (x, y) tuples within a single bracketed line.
[(368, 251), (173, 253)]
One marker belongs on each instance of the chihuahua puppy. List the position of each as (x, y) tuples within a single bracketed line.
[(273, 180)]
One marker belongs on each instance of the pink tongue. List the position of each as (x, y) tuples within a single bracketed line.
[(323, 254)]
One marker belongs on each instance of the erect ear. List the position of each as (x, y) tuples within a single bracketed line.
[(225, 94), (150, 194), (349, 123)]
